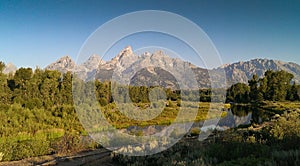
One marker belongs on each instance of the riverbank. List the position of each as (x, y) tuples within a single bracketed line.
[(255, 133)]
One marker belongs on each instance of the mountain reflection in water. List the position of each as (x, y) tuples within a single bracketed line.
[(236, 116)]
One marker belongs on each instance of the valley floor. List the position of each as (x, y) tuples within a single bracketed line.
[(262, 147)]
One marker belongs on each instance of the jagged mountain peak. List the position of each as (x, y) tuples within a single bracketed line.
[(243, 71), (65, 58), (126, 52), (10, 68), (257, 60), (95, 57), (63, 64), (93, 62), (126, 64)]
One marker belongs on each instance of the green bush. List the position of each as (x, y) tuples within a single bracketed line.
[(286, 130), (17, 150), (246, 161), (291, 157), (69, 143), (227, 151)]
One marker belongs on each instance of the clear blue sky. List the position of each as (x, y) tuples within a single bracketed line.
[(39, 32)]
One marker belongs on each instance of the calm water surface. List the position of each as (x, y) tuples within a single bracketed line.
[(236, 116)]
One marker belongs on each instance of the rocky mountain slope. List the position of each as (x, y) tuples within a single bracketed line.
[(85, 70), (9, 68), (243, 71), (156, 68), (63, 65), (151, 69)]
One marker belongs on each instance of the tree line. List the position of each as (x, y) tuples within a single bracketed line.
[(47, 89), (274, 86)]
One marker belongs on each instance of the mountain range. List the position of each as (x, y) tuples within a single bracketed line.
[(160, 69)]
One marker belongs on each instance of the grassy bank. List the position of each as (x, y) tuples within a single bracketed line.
[(39, 132), (273, 143), (202, 111)]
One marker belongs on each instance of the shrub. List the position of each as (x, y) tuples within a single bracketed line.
[(17, 150), (69, 143), (291, 157), (286, 129), (234, 150), (195, 131), (1, 156)]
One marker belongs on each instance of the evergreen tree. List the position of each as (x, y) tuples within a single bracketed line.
[(263, 86), (254, 93), (278, 85), (293, 94), (238, 93), (5, 94), (2, 66)]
